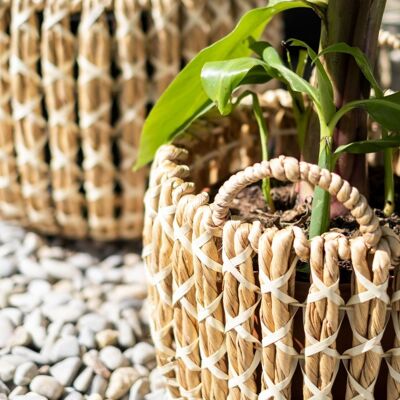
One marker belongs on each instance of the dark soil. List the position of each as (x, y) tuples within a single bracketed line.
[(250, 206)]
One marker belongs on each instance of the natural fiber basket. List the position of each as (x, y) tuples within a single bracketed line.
[(229, 319), (76, 80)]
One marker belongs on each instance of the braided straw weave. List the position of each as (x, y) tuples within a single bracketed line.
[(76, 80), (226, 320)]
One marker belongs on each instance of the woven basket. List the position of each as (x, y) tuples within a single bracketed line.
[(76, 79), (229, 320)]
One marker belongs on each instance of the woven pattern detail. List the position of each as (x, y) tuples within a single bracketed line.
[(76, 81), (237, 326)]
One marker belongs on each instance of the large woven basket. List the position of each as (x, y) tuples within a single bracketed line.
[(76, 79), (229, 319)]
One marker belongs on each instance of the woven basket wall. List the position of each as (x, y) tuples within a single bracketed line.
[(229, 319), (76, 80)]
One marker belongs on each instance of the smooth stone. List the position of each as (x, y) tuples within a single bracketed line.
[(94, 321), (82, 260), (13, 314), (4, 389), (39, 287), (70, 312), (8, 248), (111, 357), (94, 396), (56, 298), (8, 266), (30, 354), (158, 395), (59, 269), (25, 373), (31, 242), (31, 268), (99, 385), (26, 302), (67, 346), (74, 396), (132, 318), (7, 370), (112, 261), (92, 360), (87, 338), (132, 259), (107, 337), (126, 337), (17, 391), (83, 380), (128, 292), (157, 380), (6, 331), (30, 396), (120, 382), (68, 330), (51, 252), (143, 353), (21, 337), (46, 386), (139, 389), (66, 370), (95, 275)]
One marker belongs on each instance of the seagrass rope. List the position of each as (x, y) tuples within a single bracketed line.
[(208, 278), (95, 88), (29, 123), (196, 27), (163, 44), (290, 169), (58, 46), (186, 327), (132, 97), (320, 343), (240, 299), (388, 39), (10, 195)]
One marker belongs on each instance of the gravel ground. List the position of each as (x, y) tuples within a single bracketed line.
[(73, 321)]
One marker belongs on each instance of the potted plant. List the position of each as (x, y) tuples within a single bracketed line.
[(226, 290)]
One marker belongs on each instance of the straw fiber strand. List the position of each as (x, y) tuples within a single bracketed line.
[(58, 46), (233, 286), (29, 125), (10, 194), (132, 97), (95, 85), (209, 277)]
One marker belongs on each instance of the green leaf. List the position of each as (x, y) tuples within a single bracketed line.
[(221, 78), (184, 100), (325, 89), (361, 60), (369, 146), (277, 69), (385, 110)]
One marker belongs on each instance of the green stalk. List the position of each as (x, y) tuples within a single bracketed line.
[(389, 179), (262, 127), (320, 214)]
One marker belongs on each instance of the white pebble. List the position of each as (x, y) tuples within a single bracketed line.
[(46, 386), (25, 373), (66, 370), (111, 357)]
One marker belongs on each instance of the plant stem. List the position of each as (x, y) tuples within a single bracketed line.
[(389, 179), (356, 22), (262, 127), (321, 200)]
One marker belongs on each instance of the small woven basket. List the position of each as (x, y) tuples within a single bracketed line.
[(76, 79), (229, 319)]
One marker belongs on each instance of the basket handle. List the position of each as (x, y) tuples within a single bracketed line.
[(289, 169)]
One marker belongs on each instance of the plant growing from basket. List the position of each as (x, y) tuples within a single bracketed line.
[(216, 72)]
